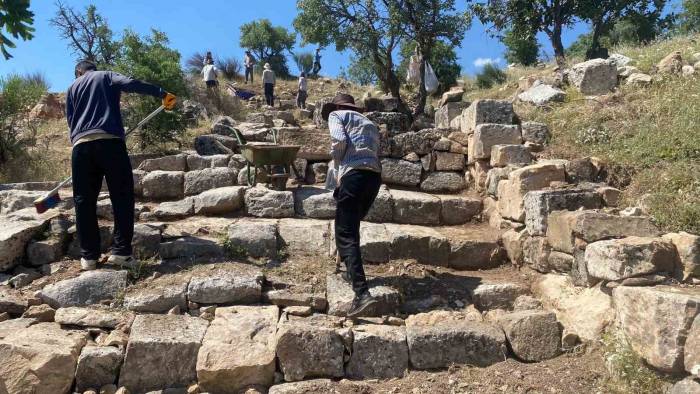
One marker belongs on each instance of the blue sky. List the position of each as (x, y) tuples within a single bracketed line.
[(205, 25)]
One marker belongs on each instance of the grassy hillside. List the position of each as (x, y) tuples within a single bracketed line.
[(649, 136)]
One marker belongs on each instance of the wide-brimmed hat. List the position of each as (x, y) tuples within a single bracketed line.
[(267, 66), (340, 101)]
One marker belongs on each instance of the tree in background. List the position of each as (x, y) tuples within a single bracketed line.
[(443, 61), (372, 29), (16, 20), (229, 67), (360, 71), (195, 63), (642, 26), (690, 16), (603, 15), (304, 61), (489, 76), (87, 32), (268, 43), (547, 16), (427, 23), (19, 94), (521, 46), (149, 58)]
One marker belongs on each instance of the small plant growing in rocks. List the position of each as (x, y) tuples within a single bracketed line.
[(627, 371), (232, 250)]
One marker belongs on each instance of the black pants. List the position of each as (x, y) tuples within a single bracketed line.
[(301, 99), (270, 94), (212, 84), (249, 73), (355, 196), (91, 161)]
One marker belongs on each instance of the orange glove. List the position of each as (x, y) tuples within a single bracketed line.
[(169, 101)]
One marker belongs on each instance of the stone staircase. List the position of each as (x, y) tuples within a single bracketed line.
[(238, 290)]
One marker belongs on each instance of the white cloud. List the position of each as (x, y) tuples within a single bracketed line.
[(482, 61)]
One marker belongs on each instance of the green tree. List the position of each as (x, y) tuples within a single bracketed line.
[(304, 61), (643, 25), (372, 29), (268, 43), (489, 76), (149, 58), (16, 20), (690, 16), (87, 32), (427, 22), (547, 16), (360, 71), (19, 95), (443, 61), (521, 47)]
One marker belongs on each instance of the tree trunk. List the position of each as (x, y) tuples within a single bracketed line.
[(422, 93), (557, 45)]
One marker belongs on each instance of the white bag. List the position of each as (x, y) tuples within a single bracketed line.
[(413, 76), (431, 81)]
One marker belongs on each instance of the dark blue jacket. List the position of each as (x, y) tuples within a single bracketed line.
[(92, 102)]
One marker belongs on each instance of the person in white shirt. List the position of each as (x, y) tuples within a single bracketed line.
[(248, 62), (302, 94), (210, 74), (268, 77)]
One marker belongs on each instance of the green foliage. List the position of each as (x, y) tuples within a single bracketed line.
[(690, 17), (88, 34), (627, 369), (229, 67), (231, 249), (443, 60), (268, 43), (16, 20), (149, 58), (19, 94), (304, 61), (372, 29), (521, 47), (360, 71), (489, 76)]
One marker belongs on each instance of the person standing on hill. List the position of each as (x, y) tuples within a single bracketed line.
[(317, 63), (248, 63), (99, 151), (210, 74), (355, 152), (302, 93), (268, 77)]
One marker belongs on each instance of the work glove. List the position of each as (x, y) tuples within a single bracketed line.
[(169, 101)]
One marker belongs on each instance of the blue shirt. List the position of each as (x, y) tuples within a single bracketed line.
[(92, 102), (355, 142)]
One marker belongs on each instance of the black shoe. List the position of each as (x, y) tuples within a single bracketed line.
[(360, 304)]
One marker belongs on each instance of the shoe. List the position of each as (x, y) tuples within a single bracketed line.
[(360, 304), (123, 261), (87, 265)]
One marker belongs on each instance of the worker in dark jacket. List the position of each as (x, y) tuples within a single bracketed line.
[(99, 151)]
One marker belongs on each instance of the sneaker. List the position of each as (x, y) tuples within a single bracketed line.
[(123, 261), (360, 304), (87, 265)]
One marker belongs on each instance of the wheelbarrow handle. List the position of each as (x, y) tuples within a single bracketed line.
[(238, 137)]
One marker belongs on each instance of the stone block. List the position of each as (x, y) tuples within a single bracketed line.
[(382, 209), (315, 142), (14, 237), (162, 185), (415, 208), (628, 257), (378, 352), (339, 294), (448, 182), (226, 285), (255, 238), (97, 366), (504, 155), (488, 296), (532, 335), (314, 202), (218, 201), (486, 136), (209, 178), (445, 115), (89, 288), (375, 243), (511, 192), (486, 111), (423, 244), (539, 204), (166, 163), (266, 203), (446, 161), (459, 210), (190, 248), (305, 236), (401, 172), (688, 247), (594, 77), (537, 133)]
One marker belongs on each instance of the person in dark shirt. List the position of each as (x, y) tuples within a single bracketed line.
[(99, 151)]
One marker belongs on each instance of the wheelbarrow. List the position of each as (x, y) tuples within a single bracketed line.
[(277, 160)]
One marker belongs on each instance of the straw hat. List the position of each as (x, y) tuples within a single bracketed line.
[(267, 66), (340, 101)]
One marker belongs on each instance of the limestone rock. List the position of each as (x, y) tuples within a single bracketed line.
[(287, 298), (671, 64), (394, 121), (163, 184), (419, 142), (304, 236), (226, 286), (238, 349), (594, 77), (532, 335), (15, 200), (447, 116), (685, 386), (496, 296), (174, 210), (511, 192), (256, 238), (655, 321), (158, 296), (306, 386), (190, 248), (213, 144), (219, 201), (223, 125), (541, 203), (165, 163), (40, 358), (162, 352), (454, 95), (504, 155), (209, 178), (315, 142), (443, 343), (401, 172), (45, 251), (459, 210), (14, 236), (197, 162), (423, 244), (340, 296), (382, 209), (146, 241), (691, 350), (97, 367), (89, 288), (90, 317), (688, 247), (261, 202), (534, 132), (444, 181), (542, 94), (314, 202), (375, 243), (415, 208), (486, 111), (41, 313), (378, 352), (11, 302), (632, 256), (487, 135), (639, 79)]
